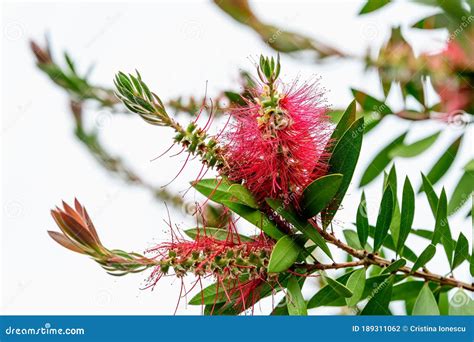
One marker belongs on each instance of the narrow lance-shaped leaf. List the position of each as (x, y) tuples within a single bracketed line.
[(461, 251), (394, 266), (303, 226), (430, 194), (426, 303), (407, 214), (443, 164), (294, 299), (317, 195), (344, 160), (441, 218), (380, 299), (369, 103), (416, 148), (381, 160), (356, 284), (424, 257), (362, 221), (341, 289), (373, 5), (345, 122), (384, 218), (463, 190), (284, 254)]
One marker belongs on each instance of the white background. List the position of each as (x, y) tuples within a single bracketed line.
[(177, 46)]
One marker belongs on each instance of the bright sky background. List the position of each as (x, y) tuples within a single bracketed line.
[(177, 46)]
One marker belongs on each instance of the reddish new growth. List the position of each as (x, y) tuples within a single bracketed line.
[(276, 143), (238, 266)]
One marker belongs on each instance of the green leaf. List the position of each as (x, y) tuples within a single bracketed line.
[(373, 5), (369, 103), (384, 218), (214, 293), (317, 195), (414, 149), (356, 284), (430, 194), (294, 299), (407, 253), (352, 239), (300, 224), (407, 214), (425, 304), (424, 257), (284, 254), (362, 221), (381, 160), (214, 189), (326, 295), (407, 290), (338, 287), (243, 195), (440, 168), (345, 122), (343, 160), (380, 299), (441, 218), (215, 233), (462, 192), (394, 266), (255, 217), (461, 251), (461, 304), (436, 21), (235, 98)]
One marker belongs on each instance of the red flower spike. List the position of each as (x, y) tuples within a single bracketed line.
[(277, 149)]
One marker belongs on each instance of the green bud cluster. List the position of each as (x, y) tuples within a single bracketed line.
[(233, 262), (197, 142)]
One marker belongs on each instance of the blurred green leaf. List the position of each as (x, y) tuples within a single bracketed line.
[(441, 218), (425, 304), (317, 195), (370, 103), (284, 254), (381, 160), (373, 5), (344, 123), (443, 164), (414, 149), (436, 21), (462, 192), (215, 233)]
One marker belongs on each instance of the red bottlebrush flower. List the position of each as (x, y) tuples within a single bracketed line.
[(239, 266), (277, 148)]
